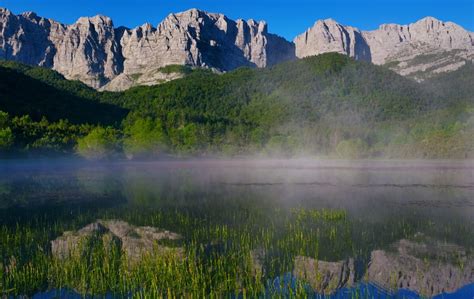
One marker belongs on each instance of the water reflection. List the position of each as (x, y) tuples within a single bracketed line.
[(384, 202)]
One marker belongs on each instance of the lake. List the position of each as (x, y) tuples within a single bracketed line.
[(242, 227)]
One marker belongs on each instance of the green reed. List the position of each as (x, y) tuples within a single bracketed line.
[(219, 248)]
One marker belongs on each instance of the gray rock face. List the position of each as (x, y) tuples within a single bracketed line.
[(446, 269), (257, 258), (149, 77), (428, 268), (133, 241), (202, 39), (325, 277), (107, 58), (400, 45), (428, 34), (88, 51), (94, 52), (24, 38), (197, 38), (330, 36)]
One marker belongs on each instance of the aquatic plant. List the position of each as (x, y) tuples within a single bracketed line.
[(221, 251)]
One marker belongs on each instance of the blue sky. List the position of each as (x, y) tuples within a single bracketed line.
[(286, 18)]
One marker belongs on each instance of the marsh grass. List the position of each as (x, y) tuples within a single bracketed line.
[(219, 250)]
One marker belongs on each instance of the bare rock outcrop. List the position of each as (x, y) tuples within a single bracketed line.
[(325, 277), (88, 50), (151, 77), (427, 34), (203, 39), (132, 240), (93, 51), (329, 36), (428, 268), (418, 50), (25, 38)]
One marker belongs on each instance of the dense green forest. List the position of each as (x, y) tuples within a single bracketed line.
[(327, 105)]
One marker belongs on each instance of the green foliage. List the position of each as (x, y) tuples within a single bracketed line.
[(452, 88), (188, 138), (4, 119), (351, 148), (40, 92), (144, 137), (309, 106), (100, 143), (136, 76), (22, 135), (6, 139), (6, 134), (175, 68), (242, 110)]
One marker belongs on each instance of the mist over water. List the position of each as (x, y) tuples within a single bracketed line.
[(385, 201), (370, 190)]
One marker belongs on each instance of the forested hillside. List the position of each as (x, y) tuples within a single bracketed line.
[(327, 105), (453, 88), (39, 92)]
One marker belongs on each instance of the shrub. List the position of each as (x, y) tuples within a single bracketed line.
[(6, 139), (100, 143), (352, 148), (145, 137)]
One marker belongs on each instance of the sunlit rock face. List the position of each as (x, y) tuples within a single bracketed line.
[(329, 36), (197, 38), (428, 267), (418, 50), (25, 38), (133, 241), (94, 52), (86, 50), (391, 40)]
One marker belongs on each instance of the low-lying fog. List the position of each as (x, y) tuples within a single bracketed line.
[(372, 190)]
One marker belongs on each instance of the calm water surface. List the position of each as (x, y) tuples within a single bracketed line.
[(385, 200), (371, 190)]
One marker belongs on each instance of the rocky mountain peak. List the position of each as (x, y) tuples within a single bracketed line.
[(193, 13), (30, 15), (93, 51), (430, 23), (330, 36), (98, 20), (393, 43), (330, 21), (4, 11), (143, 30)]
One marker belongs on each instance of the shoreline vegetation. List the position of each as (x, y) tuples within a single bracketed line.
[(213, 229), (237, 257), (328, 105), (29, 139)]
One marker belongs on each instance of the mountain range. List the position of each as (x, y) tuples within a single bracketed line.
[(105, 57)]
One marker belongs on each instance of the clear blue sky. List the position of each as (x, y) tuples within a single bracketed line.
[(285, 17)]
